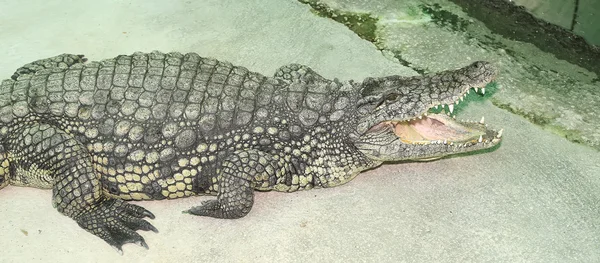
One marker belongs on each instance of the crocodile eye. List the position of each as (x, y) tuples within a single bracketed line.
[(391, 97)]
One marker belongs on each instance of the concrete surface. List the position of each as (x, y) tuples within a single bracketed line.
[(534, 199)]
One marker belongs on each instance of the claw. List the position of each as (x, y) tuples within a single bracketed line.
[(119, 250), (148, 214), (151, 228), (142, 243), (117, 222)]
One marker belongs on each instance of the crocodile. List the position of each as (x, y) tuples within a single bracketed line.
[(154, 125)]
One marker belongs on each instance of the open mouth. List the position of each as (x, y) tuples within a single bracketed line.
[(442, 129)]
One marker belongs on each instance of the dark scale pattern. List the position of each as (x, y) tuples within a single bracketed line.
[(150, 126)]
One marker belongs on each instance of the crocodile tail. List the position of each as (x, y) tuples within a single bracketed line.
[(62, 61)]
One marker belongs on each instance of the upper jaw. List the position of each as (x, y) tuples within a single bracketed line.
[(478, 86), (395, 98), (448, 104)]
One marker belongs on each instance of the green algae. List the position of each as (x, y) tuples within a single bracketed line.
[(546, 122), (532, 117), (445, 18), (363, 24)]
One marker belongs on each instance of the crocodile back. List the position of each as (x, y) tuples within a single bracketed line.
[(160, 113), (142, 88)]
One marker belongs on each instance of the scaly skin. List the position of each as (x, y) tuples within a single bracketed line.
[(151, 126)]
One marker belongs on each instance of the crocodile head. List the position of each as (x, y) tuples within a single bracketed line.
[(394, 123)]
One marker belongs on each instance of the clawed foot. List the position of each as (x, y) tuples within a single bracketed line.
[(117, 222), (210, 208), (214, 208)]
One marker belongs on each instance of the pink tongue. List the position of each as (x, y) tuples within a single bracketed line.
[(430, 129)]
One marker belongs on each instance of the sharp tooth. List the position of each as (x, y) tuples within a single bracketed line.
[(445, 141), (482, 121), (480, 138), (499, 133), (476, 89), (420, 117), (483, 91), (469, 90), (437, 106), (451, 107), (462, 98), (454, 117)]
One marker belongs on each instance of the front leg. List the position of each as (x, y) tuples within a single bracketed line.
[(236, 180), (47, 157)]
